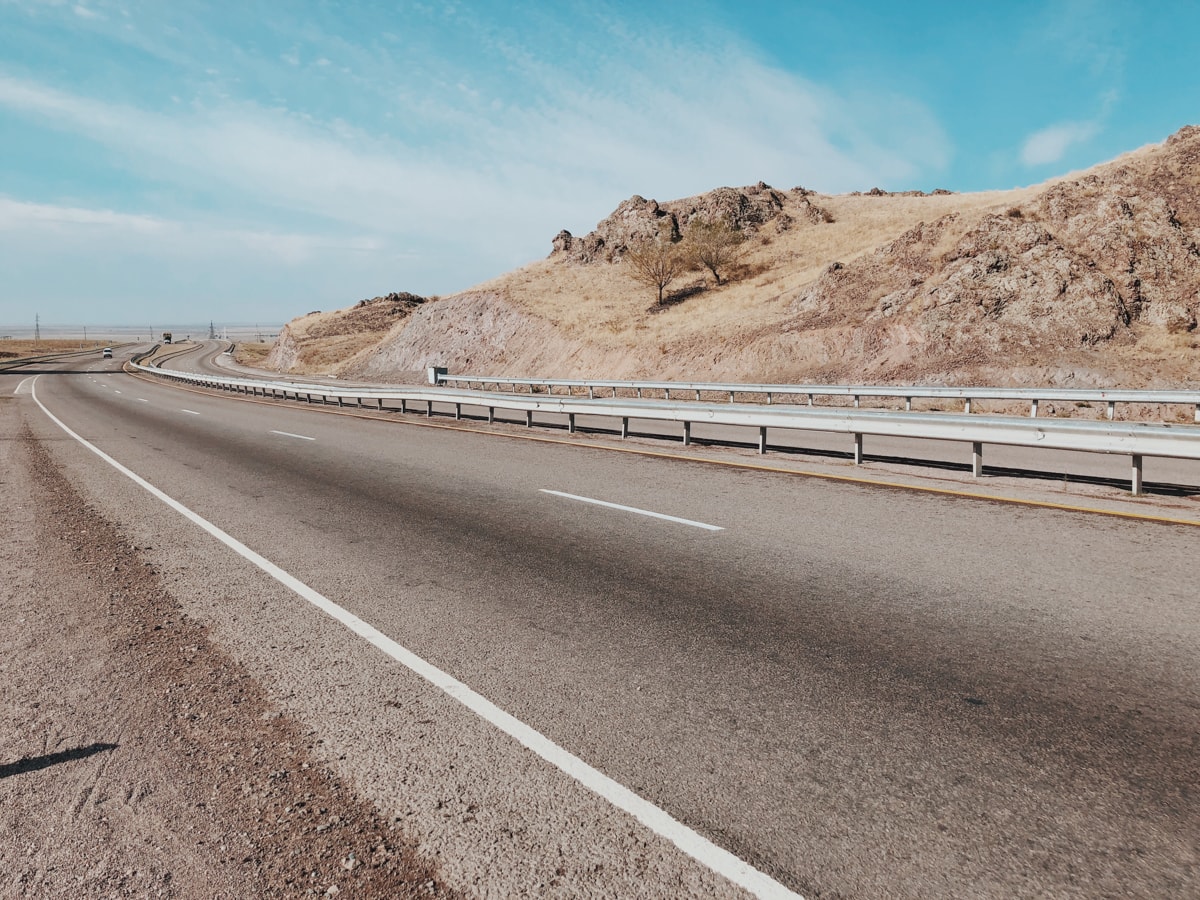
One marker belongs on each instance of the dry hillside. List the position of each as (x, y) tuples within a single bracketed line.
[(1089, 279)]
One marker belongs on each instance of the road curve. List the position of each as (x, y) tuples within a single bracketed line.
[(859, 692), (1162, 476)]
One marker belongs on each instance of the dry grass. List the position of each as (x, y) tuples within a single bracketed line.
[(752, 326), (601, 303), (20, 349), (251, 353)]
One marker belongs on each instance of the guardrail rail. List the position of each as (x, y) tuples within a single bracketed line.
[(1133, 439), (686, 390)]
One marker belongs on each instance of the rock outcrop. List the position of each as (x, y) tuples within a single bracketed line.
[(637, 219)]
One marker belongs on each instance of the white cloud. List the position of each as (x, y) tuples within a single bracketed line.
[(19, 215), (1051, 144), (469, 175), (84, 13), (79, 225)]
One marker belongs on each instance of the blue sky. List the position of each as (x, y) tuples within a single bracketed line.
[(254, 161)]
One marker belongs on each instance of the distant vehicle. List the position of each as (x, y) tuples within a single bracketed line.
[(166, 337), (107, 352)]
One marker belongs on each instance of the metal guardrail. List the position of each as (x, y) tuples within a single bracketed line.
[(20, 361), (1136, 440), (687, 389)]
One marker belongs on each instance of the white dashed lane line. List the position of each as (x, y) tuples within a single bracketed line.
[(142, 400), (634, 509), (190, 412), (302, 437)]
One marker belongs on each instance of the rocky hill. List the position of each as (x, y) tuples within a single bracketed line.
[(1090, 279)]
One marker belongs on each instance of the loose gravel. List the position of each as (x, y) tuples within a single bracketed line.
[(137, 758)]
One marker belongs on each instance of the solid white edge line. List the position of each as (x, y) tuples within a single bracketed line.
[(190, 412), (302, 437), (634, 509), (691, 842), (17, 389)]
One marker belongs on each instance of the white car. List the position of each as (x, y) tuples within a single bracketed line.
[(107, 353)]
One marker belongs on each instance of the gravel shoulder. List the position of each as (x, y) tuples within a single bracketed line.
[(137, 758)]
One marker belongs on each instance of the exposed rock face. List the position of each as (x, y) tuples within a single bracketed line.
[(477, 332), (1133, 234), (1076, 267), (636, 219)]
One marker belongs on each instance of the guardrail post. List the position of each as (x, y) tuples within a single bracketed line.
[(858, 449), (967, 406), (1198, 412), (309, 396), (639, 393), (491, 414), (731, 396), (768, 398), (625, 426), (687, 433), (856, 401), (1136, 478), (810, 399), (379, 402), (403, 405), (457, 411), (529, 418), (697, 394), (340, 401), (908, 404), (591, 393), (570, 423), (1033, 409), (762, 439), (977, 459), (428, 409), (667, 393), (1112, 407)]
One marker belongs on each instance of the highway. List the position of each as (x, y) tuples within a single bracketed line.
[(1180, 477), (856, 690)]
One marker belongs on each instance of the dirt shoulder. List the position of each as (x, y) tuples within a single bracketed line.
[(136, 757)]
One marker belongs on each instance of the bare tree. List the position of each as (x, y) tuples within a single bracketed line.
[(656, 262), (715, 245)]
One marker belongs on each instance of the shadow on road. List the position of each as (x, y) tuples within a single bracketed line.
[(33, 764)]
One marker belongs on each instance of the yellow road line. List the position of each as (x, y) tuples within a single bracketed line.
[(734, 464)]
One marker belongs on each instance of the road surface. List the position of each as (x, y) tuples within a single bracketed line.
[(855, 690)]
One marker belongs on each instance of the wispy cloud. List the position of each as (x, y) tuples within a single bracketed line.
[(1050, 145), (19, 215), (442, 166), (75, 224)]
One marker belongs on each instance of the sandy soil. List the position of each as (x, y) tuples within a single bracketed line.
[(136, 758)]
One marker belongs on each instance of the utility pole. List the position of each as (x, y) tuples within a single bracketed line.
[(37, 329), (212, 330)]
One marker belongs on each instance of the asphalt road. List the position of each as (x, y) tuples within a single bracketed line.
[(859, 691), (1161, 475)]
